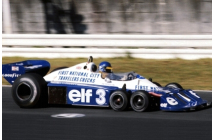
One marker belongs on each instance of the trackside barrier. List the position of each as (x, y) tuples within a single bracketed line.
[(180, 41), (189, 54), (167, 46)]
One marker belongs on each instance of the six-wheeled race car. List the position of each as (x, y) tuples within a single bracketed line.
[(87, 84)]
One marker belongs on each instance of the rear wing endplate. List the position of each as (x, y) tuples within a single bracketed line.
[(13, 70)]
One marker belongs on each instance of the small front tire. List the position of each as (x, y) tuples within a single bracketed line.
[(119, 100), (140, 101)]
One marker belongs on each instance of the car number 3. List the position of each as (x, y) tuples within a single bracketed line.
[(101, 100)]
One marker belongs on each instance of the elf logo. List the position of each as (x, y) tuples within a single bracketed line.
[(84, 96)]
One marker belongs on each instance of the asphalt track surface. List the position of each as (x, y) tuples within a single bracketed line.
[(102, 123)]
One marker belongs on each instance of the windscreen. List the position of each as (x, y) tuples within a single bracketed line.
[(121, 76)]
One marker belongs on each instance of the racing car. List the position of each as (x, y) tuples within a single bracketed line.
[(87, 84)]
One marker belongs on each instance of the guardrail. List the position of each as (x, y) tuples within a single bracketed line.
[(180, 41), (107, 53), (175, 46)]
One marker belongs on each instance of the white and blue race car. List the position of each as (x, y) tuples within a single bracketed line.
[(85, 84)]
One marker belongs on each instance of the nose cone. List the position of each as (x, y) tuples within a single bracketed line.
[(181, 100)]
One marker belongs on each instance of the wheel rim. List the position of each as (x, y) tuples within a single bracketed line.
[(118, 101), (23, 91), (138, 102)]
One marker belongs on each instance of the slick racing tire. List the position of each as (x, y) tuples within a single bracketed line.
[(59, 68), (140, 101), (30, 90), (119, 101), (174, 85)]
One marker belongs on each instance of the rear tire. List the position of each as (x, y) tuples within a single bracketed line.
[(30, 90), (119, 101), (140, 101)]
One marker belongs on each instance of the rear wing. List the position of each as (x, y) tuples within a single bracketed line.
[(13, 70)]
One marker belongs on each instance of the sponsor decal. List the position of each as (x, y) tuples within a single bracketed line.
[(11, 75), (68, 115), (94, 75), (20, 64), (76, 73), (193, 93), (171, 101), (34, 67), (147, 88), (76, 79), (194, 104), (76, 96), (78, 67), (163, 104), (76, 76), (87, 80), (63, 72), (85, 96), (15, 68), (101, 100)]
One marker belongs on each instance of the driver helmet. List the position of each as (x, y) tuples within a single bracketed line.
[(105, 67)]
